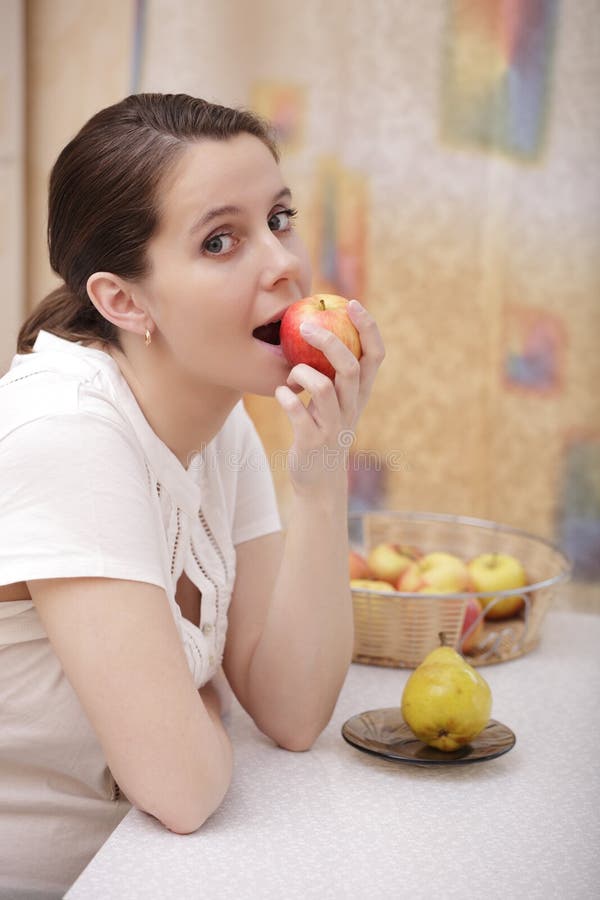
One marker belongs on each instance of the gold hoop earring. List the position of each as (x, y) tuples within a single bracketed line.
[(147, 338)]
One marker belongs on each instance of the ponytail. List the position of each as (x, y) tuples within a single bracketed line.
[(65, 315)]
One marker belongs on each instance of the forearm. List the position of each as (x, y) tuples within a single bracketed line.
[(302, 657)]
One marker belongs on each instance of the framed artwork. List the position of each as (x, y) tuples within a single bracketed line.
[(534, 351), (285, 106), (579, 505), (496, 74), (340, 230)]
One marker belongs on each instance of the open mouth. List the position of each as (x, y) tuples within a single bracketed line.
[(268, 333)]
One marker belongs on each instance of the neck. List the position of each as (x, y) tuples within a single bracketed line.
[(183, 413)]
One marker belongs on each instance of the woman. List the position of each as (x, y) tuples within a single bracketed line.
[(139, 528)]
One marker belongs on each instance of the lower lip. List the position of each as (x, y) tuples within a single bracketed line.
[(275, 349)]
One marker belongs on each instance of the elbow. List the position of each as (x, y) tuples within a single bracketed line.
[(189, 815), (297, 743), (299, 738), (299, 733), (185, 810)]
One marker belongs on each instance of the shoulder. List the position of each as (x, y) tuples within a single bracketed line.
[(51, 384)]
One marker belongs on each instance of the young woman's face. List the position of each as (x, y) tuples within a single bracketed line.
[(226, 260)]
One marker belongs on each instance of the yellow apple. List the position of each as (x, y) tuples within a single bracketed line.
[(435, 573), (371, 584), (498, 572), (387, 561)]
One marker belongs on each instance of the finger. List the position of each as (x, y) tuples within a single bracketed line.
[(373, 348), (346, 366), (324, 405), (306, 431), (335, 350)]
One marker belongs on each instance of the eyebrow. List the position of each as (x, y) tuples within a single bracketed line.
[(218, 211)]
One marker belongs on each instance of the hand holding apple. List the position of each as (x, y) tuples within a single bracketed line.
[(326, 310)]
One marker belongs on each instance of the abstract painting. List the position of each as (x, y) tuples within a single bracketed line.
[(534, 353), (497, 74), (284, 105), (340, 230), (579, 524)]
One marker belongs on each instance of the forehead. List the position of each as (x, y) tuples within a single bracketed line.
[(210, 173)]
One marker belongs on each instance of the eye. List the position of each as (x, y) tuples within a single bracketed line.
[(218, 244), (282, 220)]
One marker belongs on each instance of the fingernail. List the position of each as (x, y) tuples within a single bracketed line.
[(356, 306), (307, 328)]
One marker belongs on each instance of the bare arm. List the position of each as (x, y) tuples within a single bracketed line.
[(291, 630), (120, 650)]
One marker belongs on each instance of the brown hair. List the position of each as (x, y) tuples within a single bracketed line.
[(103, 199)]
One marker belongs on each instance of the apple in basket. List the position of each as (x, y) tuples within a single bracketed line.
[(435, 573), (358, 565), (498, 572), (330, 312), (387, 561), (472, 614), (371, 584)]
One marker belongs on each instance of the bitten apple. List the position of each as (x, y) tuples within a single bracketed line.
[(330, 312), (498, 572), (358, 566), (387, 561), (434, 573)]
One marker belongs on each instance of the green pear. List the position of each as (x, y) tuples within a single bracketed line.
[(446, 702)]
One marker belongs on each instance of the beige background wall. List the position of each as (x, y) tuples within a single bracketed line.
[(12, 186), (459, 246)]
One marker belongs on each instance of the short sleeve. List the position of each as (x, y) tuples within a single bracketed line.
[(246, 465), (76, 503)]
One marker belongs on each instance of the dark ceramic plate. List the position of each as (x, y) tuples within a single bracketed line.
[(384, 732)]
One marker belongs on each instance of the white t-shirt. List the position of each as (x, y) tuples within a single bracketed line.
[(88, 489)]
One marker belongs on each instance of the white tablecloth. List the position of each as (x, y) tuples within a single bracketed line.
[(337, 823)]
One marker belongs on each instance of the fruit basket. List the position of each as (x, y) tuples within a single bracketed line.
[(400, 628)]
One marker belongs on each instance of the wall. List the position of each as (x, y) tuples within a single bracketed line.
[(12, 192), (78, 60)]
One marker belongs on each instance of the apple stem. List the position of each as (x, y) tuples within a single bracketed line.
[(442, 637), (322, 304)]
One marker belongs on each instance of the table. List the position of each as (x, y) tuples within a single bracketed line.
[(337, 823)]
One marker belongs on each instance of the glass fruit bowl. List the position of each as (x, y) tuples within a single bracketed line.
[(399, 628)]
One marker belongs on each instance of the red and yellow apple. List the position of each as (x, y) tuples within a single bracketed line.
[(387, 561), (498, 572), (472, 615), (435, 573), (371, 584), (330, 312), (358, 565)]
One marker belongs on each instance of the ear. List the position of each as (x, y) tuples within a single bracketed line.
[(114, 300)]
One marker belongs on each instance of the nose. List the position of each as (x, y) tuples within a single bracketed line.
[(280, 262)]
